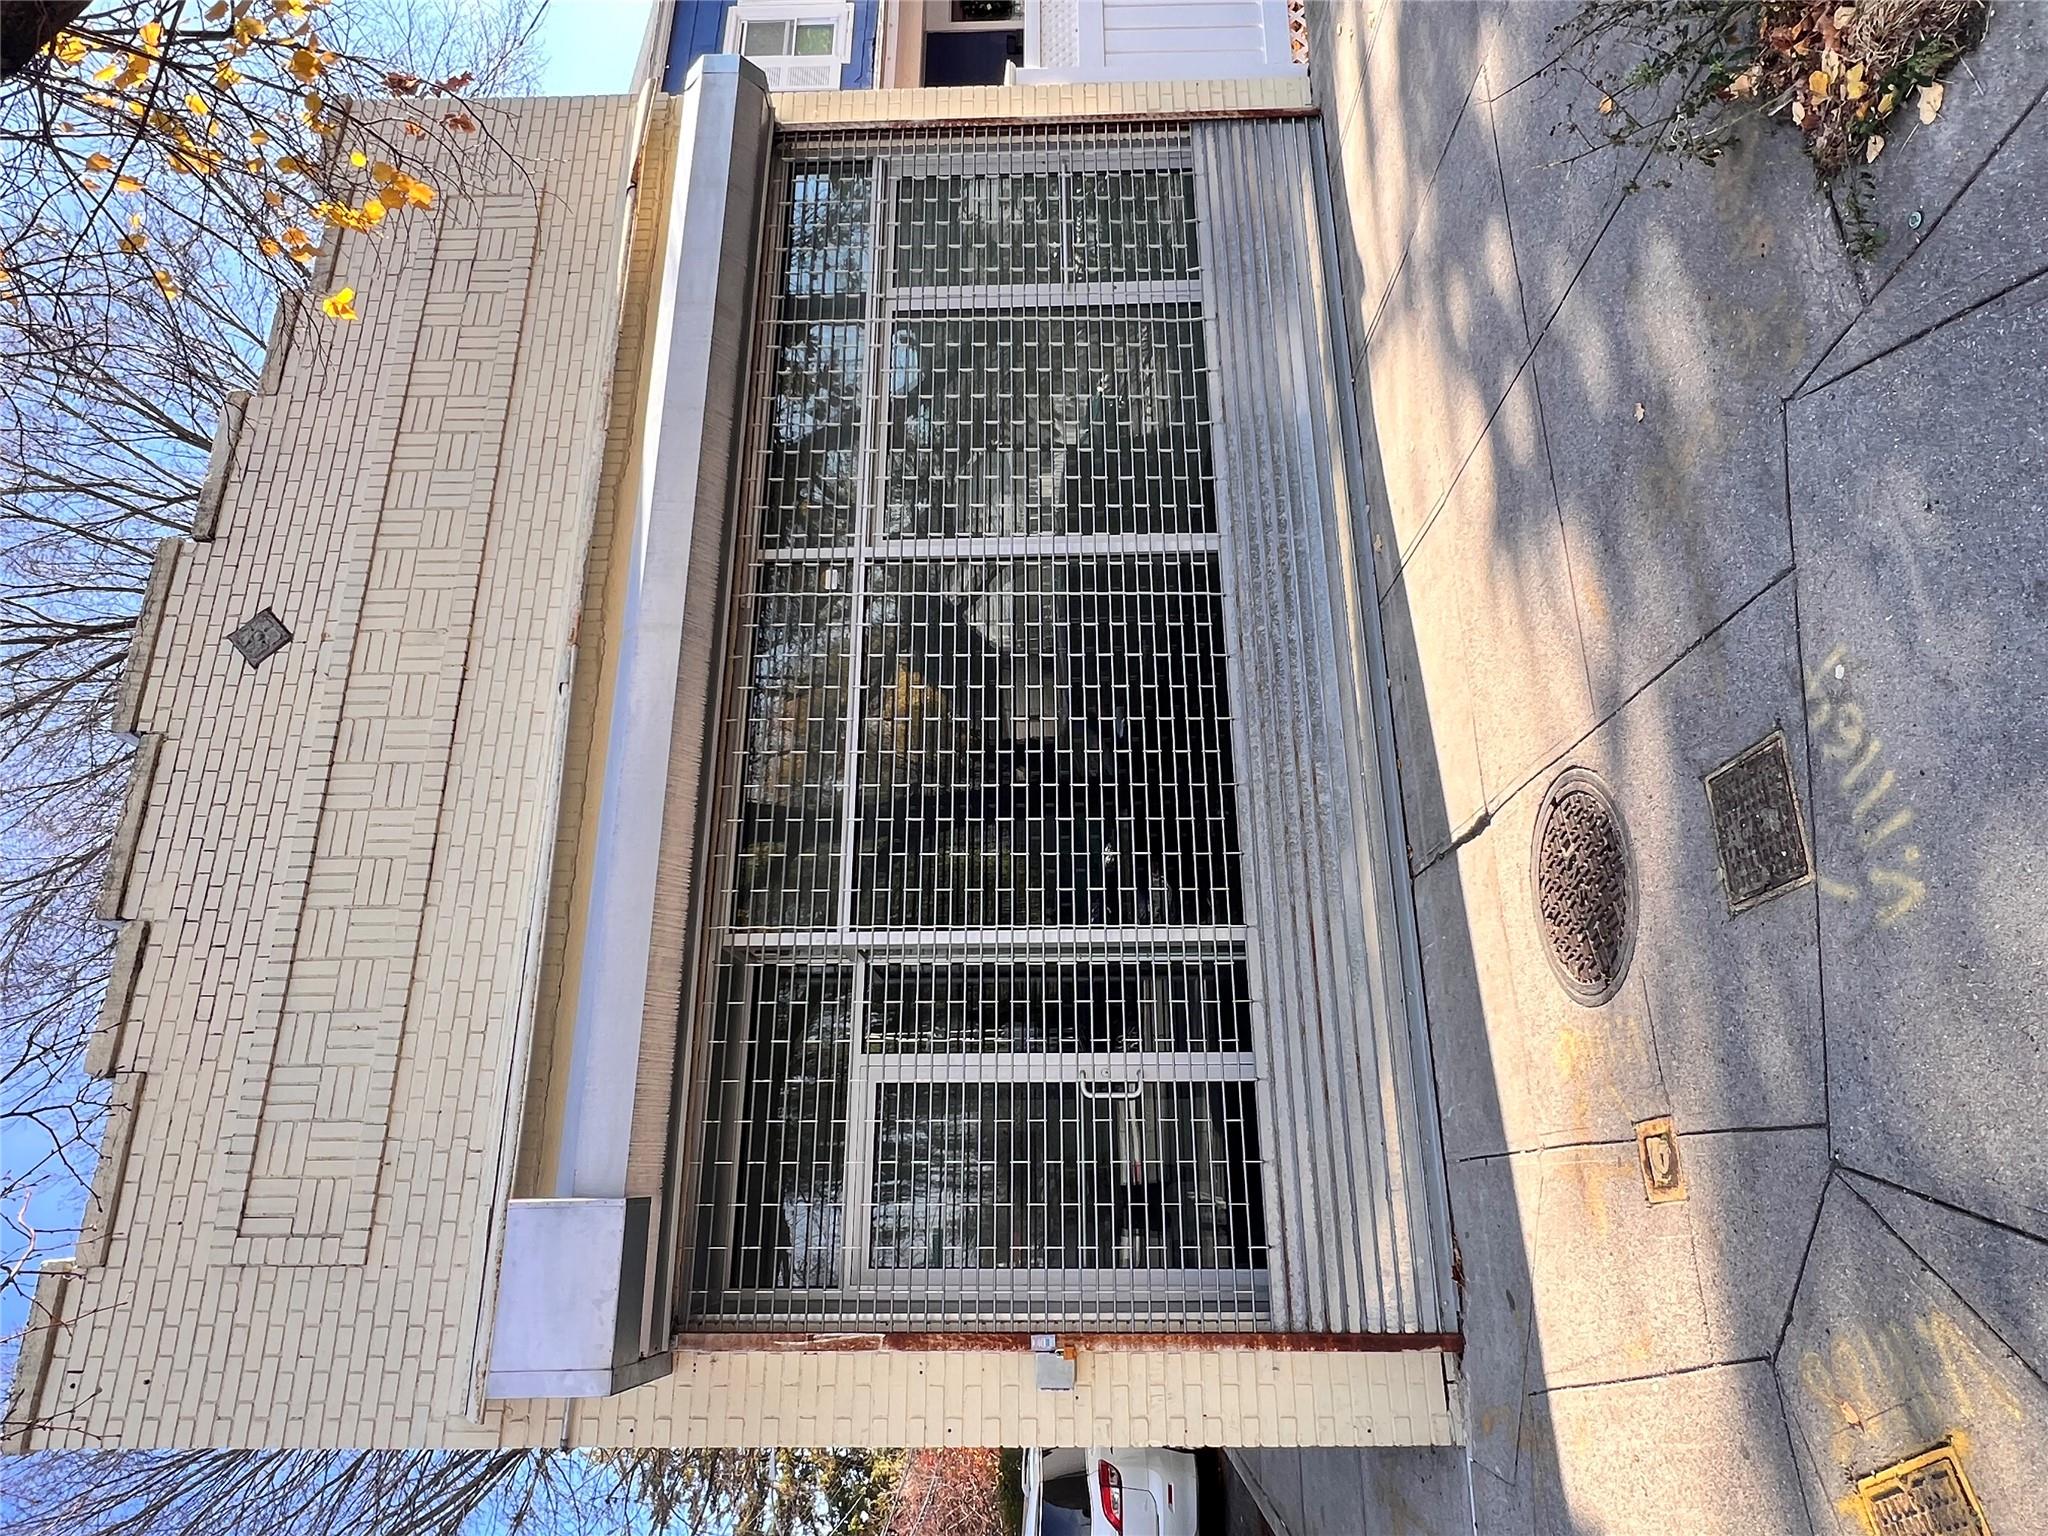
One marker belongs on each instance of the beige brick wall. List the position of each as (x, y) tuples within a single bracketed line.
[(348, 862), (338, 850)]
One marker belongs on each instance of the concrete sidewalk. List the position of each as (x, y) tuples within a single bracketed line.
[(1662, 472)]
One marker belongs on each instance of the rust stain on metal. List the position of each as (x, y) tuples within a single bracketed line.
[(1657, 1156), (701, 1341)]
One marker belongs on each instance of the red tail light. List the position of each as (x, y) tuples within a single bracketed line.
[(1112, 1484)]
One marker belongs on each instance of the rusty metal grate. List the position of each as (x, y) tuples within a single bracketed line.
[(1926, 1495), (260, 637), (1759, 835), (1585, 888)]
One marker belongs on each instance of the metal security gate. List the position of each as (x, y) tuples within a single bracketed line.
[(983, 1039)]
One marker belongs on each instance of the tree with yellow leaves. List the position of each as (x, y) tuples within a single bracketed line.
[(140, 140)]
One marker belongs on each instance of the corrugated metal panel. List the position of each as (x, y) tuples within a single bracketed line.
[(1356, 1214)]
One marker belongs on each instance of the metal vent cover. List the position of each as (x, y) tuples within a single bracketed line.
[(1584, 886), (260, 637), (1759, 835), (1925, 1495)]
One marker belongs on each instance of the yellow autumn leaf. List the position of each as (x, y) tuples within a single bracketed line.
[(269, 247), (152, 34), (295, 236), (69, 48), (226, 76), (340, 304), (99, 162), (107, 72), (289, 165), (382, 172), (196, 104), (373, 212), (1930, 101), (163, 281), (419, 194), (1874, 148), (1817, 82), (248, 29), (1606, 105), (258, 139), (273, 197), (90, 183), (127, 184), (1886, 102), (305, 65), (218, 9), (133, 243), (358, 159), (1855, 90)]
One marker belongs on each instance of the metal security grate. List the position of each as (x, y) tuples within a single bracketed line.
[(1759, 834), (1927, 1495), (977, 1029)]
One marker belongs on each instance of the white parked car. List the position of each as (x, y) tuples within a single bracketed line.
[(1109, 1491)]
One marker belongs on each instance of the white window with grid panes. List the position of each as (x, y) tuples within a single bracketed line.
[(975, 1025), (798, 46)]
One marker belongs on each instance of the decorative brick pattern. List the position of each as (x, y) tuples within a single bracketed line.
[(320, 1136), (335, 851)]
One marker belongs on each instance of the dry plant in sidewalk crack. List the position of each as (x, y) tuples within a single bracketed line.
[(1682, 77)]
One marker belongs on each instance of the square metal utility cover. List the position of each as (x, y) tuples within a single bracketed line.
[(1657, 1157), (1926, 1495), (1759, 834), (260, 638)]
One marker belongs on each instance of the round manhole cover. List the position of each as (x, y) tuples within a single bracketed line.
[(1585, 887)]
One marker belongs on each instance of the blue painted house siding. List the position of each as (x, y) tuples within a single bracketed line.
[(859, 73), (698, 28)]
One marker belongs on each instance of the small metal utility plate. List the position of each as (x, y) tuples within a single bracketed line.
[(261, 637), (1584, 879), (1759, 834), (1925, 1495), (1657, 1156)]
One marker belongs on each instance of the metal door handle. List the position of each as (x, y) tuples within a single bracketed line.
[(1091, 1091)]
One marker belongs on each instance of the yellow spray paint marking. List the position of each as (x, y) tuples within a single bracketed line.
[(1930, 1370), (1876, 805)]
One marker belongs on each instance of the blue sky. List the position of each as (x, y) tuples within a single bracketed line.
[(590, 45)]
